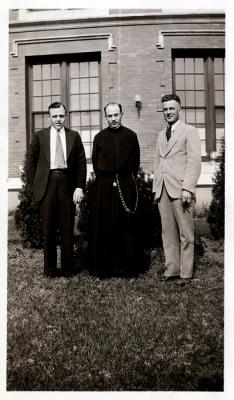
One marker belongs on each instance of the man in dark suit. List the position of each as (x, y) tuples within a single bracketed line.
[(177, 168), (56, 167)]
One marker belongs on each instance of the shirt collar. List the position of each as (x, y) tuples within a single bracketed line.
[(54, 131), (173, 126)]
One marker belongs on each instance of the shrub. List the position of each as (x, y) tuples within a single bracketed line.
[(148, 214), (201, 211), (27, 215), (216, 210)]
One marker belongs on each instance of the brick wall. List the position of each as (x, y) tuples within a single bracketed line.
[(135, 66)]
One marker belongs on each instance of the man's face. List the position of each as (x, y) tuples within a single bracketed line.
[(171, 111), (113, 116), (57, 117)]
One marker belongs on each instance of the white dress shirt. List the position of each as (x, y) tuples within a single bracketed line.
[(173, 126), (53, 135)]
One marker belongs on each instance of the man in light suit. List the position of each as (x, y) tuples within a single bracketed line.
[(56, 168), (176, 171)]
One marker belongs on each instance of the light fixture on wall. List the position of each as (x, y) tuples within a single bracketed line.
[(138, 103)]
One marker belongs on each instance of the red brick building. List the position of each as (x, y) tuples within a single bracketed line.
[(87, 57)]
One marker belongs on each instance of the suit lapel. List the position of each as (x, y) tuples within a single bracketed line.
[(164, 142), (45, 138), (69, 141), (174, 137)]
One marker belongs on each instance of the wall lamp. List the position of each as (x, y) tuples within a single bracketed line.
[(138, 103)]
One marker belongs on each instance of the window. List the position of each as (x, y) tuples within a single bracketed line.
[(198, 79), (84, 101), (76, 83)]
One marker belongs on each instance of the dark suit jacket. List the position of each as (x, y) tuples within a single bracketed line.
[(38, 162)]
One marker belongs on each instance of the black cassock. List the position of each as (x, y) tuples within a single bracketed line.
[(114, 246)]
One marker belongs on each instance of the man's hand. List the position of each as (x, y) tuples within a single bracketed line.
[(78, 195), (186, 196)]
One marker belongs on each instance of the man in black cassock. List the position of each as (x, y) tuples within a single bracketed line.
[(114, 241)]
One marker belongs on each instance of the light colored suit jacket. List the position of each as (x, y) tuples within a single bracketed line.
[(177, 162)]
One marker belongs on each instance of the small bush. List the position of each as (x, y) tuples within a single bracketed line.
[(216, 210), (148, 214), (27, 215), (201, 211)]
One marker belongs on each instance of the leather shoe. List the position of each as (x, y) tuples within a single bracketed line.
[(68, 274), (51, 274), (183, 281)]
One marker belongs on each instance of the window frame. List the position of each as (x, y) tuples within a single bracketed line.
[(210, 123), (64, 60)]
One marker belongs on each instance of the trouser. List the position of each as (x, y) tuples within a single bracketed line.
[(177, 235), (57, 211)]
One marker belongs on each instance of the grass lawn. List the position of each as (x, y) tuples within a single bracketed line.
[(85, 334)]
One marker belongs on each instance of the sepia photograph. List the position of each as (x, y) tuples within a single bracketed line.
[(115, 199)]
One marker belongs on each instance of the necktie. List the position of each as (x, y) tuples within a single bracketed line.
[(168, 132), (59, 161)]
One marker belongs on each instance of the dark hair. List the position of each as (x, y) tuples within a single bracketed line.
[(112, 103), (168, 97), (57, 104)]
